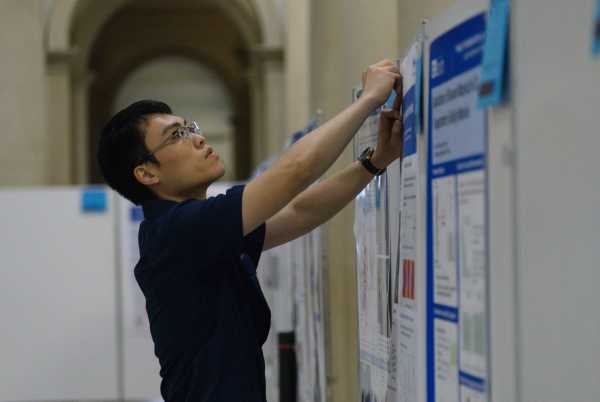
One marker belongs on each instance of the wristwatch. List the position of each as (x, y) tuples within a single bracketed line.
[(365, 159)]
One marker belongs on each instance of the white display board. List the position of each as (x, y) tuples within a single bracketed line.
[(141, 378), (556, 100), (309, 313), (57, 296), (268, 274)]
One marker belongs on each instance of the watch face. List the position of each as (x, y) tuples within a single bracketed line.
[(365, 153)]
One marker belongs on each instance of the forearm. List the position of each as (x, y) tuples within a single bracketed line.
[(319, 149), (321, 202)]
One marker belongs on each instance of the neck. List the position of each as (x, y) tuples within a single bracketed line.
[(198, 194)]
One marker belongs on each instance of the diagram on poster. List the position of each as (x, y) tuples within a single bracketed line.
[(456, 231), (373, 274), (406, 313)]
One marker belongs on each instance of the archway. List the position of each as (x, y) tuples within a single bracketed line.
[(193, 91), (184, 29), (73, 27)]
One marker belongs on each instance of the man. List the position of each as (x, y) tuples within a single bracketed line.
[(198, 256)]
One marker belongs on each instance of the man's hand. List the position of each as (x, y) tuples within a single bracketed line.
[(378, 81), (390, 141)]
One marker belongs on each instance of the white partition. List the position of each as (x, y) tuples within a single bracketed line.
[(57, 297), (141, 380), (556, 104)]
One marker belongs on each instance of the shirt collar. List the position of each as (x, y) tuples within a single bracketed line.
[(155, 208)]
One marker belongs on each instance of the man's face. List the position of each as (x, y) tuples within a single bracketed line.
[(186, 164)]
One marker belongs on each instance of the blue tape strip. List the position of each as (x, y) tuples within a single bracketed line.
[(494, 52), (596, 31), (389, 103), (94, 200)]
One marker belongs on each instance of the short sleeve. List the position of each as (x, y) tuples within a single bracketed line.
[(213, 226), (253, 243)]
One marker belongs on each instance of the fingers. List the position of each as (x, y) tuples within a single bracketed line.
[(388, 119), (384, 62), (398, 101), (379, 79), (395, 76), (397, 127), (390, 68), (391, 114)]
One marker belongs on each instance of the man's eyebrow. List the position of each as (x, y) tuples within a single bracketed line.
[(170, 126)]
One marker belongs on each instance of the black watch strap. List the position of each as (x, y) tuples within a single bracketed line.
[(365, 160)]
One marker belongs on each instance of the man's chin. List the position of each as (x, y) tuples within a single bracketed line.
[(222, 171)]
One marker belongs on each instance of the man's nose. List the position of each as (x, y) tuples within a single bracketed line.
[(198, 140)]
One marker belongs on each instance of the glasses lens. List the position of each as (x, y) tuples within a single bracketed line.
[(194, 127)]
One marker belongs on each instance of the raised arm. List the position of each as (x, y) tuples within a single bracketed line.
[(310, 157), (322, 201)]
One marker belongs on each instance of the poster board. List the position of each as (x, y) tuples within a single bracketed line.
[(407, 358), (374, 273), (457, 263), (556, 198), (57, 294), (307, 270)]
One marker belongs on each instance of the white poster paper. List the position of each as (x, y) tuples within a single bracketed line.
[(373, 275), (405, 340)]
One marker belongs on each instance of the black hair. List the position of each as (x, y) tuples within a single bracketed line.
[(121, 148)]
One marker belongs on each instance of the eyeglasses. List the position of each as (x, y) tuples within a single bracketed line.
[(188, 130)]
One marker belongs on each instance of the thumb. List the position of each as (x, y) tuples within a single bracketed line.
[(386, 120)]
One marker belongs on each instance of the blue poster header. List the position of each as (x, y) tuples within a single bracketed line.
[(457, 51), (408, 117)]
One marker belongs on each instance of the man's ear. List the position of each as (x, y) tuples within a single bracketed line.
[(145, 175)]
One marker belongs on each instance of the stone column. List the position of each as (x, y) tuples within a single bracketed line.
[(60, 138), (24, 150), (297, 65), (270, 65)]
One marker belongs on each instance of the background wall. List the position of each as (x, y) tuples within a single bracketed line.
[(26, 149)]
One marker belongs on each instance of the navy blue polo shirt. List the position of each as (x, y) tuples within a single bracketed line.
[(208, 316)]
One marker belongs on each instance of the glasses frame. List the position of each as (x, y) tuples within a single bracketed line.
[(187, 130)]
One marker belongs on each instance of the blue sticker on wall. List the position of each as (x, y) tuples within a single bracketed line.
[(494, 54), (596, 31), (94, 200)]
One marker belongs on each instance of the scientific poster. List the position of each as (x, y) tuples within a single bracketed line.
[(457, 300), (404, 358), (373, 274)]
